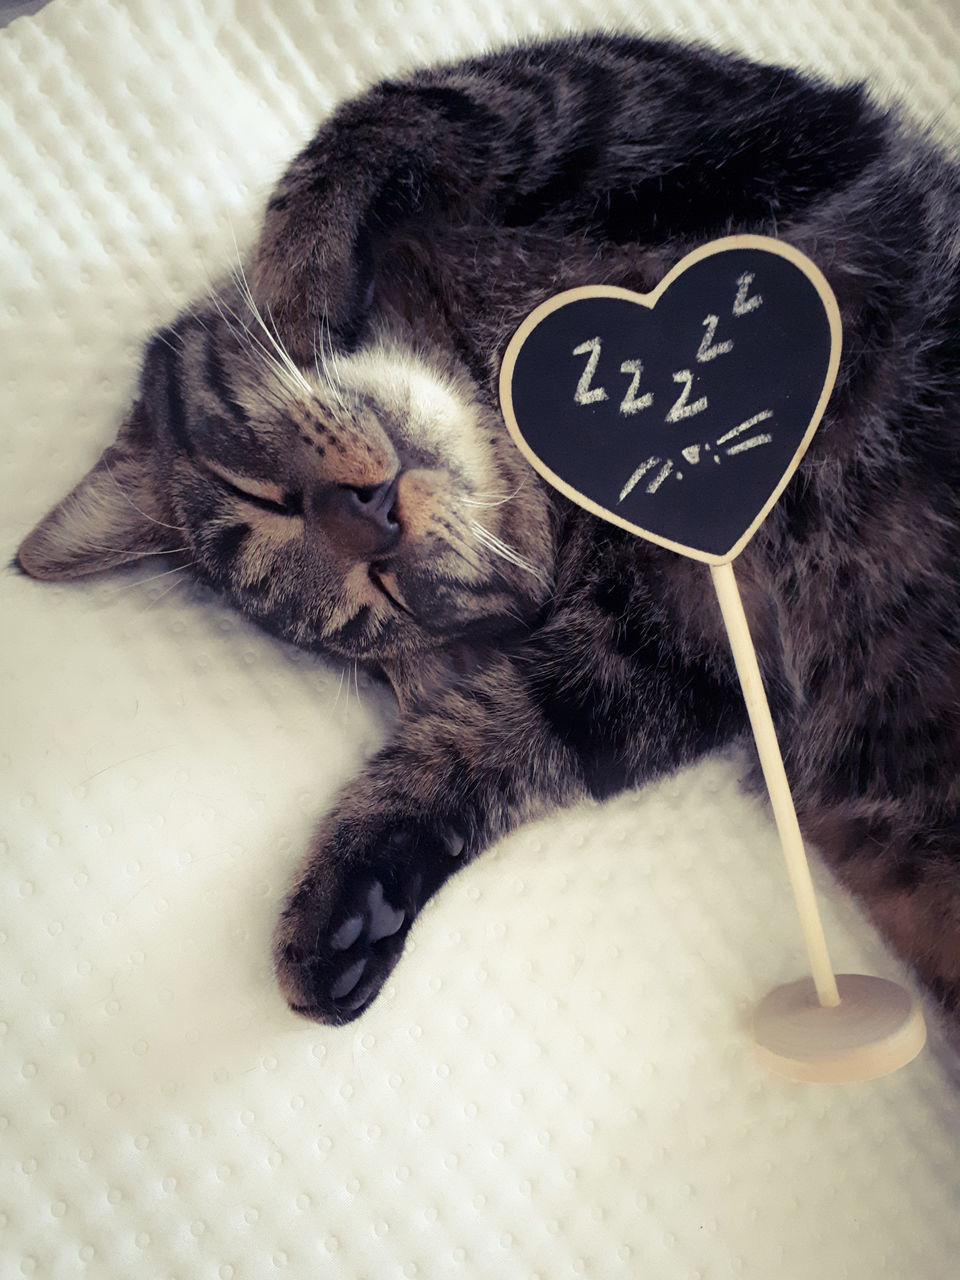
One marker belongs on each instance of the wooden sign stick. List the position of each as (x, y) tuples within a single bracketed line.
[(771, 761), (831, 1029), (682, 418)]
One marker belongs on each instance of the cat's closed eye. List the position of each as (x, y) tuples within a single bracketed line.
[(262, 494)]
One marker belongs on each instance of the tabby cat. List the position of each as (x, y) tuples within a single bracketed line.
[(320, 438)]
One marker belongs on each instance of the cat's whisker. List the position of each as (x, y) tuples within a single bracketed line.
[(325, 328), (235, 323), (467, 554), (332, 380), (162, 337), (286, 371), (285, 357), (505, 552), (271, 331), (464, 550), (489, 502), (134, 554), (163, 594), (253, 344), (174, 299), (177, 528), (330, 375), (143, 582), (324, 375), (483, 499), (336, 701)]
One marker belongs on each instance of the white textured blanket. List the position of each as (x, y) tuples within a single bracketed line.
[(557, 1081)]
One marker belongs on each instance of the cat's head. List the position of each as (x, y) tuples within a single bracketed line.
[(368, 505)]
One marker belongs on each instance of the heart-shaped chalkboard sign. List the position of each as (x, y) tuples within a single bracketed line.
[(679, 414)]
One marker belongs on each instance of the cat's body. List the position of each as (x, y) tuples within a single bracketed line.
[(359, 495)]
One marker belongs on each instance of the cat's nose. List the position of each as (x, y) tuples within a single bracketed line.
[(362, 519)]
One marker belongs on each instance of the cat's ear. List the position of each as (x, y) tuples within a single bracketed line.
[(113, 516)]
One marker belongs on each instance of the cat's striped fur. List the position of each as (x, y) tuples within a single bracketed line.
[(324, 444)]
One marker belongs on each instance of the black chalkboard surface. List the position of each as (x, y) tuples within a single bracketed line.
[(679, 414)]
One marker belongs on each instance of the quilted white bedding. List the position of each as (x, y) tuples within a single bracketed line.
[(557, 1081)]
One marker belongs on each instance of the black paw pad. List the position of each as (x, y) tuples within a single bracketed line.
[(365, 940), (348, 979), (344, 937), (371, 916), (384, 919), (454, 843)]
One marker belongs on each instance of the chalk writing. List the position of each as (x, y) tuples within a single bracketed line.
[(695, 453), (744, 445), (682, 408), (742, 305), (638, 475), (747, 426), (709, 349), (584, 394), (631, 403), (659, 478)]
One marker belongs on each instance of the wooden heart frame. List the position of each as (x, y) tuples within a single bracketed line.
[(649, 300)]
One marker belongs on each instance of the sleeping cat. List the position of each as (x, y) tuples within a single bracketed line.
[(320, 439)]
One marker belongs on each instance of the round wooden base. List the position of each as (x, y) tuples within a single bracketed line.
[(875, 1029)]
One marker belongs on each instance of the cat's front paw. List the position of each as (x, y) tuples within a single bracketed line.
[(345, 927)]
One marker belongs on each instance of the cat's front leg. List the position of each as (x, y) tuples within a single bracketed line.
[(453, 780), (400, 154), (604, 697)]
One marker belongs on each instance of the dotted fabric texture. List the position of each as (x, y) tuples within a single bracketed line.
[(558, 1080)]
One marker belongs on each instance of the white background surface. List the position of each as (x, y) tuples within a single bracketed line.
[(557, 1081)]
